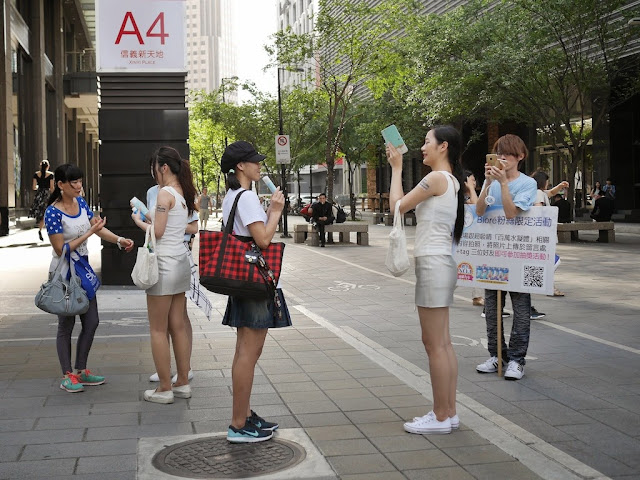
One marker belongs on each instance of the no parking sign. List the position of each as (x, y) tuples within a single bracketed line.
[(283, 149)]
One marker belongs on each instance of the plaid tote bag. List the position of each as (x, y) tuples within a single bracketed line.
[(234, 265)]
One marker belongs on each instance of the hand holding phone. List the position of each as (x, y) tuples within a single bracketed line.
[(492, 160), (392, 136)]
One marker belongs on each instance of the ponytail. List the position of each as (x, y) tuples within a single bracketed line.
[(44, 166), (186, 182), (231, 181)]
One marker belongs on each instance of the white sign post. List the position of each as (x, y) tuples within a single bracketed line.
[(141, 35), (283, 149)]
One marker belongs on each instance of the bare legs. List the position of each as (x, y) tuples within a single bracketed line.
[(443, 364), (249, 345), (166, 314)]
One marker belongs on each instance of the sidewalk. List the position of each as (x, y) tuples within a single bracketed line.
[(348, 374)]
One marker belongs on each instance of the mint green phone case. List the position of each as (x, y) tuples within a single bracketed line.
[(392, 136)]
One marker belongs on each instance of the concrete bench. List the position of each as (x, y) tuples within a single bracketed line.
[(25, 223), (301, 233), (569, 231), (387, 218)]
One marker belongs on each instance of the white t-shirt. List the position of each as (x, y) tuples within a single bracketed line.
[(542, 197), (249, 211)]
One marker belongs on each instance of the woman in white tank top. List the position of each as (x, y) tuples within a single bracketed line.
[(166, 299), (439, 204)]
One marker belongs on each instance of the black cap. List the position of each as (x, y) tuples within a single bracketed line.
[(239, 152)]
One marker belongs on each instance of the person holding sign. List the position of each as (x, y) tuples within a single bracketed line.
[(439, 204), (515, 192)]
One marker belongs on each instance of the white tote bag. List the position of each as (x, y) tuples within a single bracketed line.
[(145, 271), (397, 257)]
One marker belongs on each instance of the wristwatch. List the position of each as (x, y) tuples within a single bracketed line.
[(118, 243)]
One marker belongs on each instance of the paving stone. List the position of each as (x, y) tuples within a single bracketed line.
[(334, 432), (353, 404), (459, 438), (296, 387), (313, 407), (87, 421), (9, 453), (357, 446), (16, 425), (375, 476), (312, 396), (323, 419), (349, 393), (402, 443), (432, 458), (405, 401), (138, 431), (444, 473), (80, 449), (121, 463), (383, 429), (553, 413), (492, 471), (606, 464), (477, 454), (539, 428), (373, 416), (36, 437), (351, 464), (44, 468)]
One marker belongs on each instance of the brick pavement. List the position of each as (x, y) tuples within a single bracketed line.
[(348, 373)]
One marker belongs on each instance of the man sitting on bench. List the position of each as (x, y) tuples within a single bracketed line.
[(603, 208), (321, 215)]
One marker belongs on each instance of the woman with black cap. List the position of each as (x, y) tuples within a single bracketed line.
[(252, 318)]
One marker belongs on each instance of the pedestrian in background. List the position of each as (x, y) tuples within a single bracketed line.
[(252, 318), (166, 299), (204, 201), (439, 204), (70, 221), (43, 186), (515, 192)]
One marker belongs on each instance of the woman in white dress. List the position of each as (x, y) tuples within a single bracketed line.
[(166, 299)]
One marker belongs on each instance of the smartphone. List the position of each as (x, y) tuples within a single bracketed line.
[(392, 136), (492, 159)]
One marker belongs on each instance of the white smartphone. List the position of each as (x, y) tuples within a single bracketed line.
[(392, 136)]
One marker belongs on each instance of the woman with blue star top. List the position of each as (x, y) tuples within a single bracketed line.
[(69, 220)]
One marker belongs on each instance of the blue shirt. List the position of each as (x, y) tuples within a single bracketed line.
[(523, 192), (152, 199)]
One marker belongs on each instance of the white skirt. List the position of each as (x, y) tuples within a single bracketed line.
[(174, 276), (436, 277)]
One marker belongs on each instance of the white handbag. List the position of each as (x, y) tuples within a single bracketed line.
[(145, 271), (397, 257)]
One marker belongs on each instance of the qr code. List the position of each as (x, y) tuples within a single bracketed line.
[(533, 276)]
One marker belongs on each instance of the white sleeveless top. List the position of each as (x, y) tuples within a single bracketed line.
[(171, 244), (435, 218)]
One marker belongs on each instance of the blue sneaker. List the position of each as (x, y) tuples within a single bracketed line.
[(248, 434), (261, 423)]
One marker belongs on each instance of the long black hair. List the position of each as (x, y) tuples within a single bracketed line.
[(44, 166), (449, 134), (169, 156), (232, 182), (64, 173)]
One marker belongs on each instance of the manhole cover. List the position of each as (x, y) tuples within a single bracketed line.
[(215, 457)]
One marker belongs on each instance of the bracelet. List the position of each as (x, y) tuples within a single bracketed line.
[(118, 243)]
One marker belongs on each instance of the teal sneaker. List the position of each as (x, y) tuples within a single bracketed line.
[(261, 423), (71, 383), (248, 434), (87, 378)]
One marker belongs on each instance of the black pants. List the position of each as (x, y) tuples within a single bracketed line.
[(320, 226)]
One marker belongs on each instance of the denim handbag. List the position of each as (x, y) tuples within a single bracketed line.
[(60, 296)]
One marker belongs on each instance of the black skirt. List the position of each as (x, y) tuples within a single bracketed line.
[(244, 312)]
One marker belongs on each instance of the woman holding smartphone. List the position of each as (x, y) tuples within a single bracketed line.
[(252, 318), (439, 204)]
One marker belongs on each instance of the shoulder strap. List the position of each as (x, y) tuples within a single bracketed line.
[(232, 215)]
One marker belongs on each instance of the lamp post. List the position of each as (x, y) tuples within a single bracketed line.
[(285, 232)]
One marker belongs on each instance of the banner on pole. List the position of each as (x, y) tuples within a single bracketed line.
[(514, 255), (283, 149), (141, 36)]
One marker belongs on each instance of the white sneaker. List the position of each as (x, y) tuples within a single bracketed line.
[(515, 371), (158, 397), (489, 366), (174, 379), (455, 422), (427, 425)]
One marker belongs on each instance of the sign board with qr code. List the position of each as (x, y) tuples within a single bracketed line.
[(514, 255)]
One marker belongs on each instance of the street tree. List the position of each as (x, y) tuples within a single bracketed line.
[(350, 45), (560, 65)]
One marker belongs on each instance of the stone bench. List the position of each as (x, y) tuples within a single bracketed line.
[(387, 218), (25, 223), (569, 231), (301, 233)]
